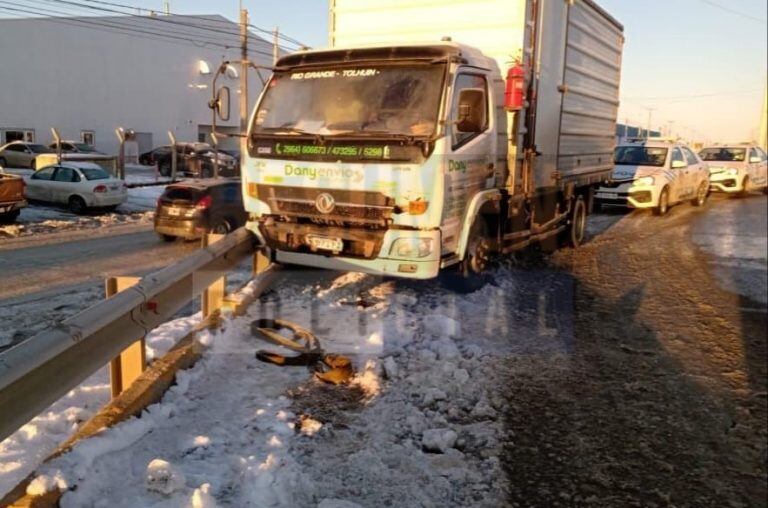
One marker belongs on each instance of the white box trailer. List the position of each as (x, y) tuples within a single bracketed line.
[(573, 47), (433, 133)]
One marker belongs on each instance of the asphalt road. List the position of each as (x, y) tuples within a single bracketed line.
[(47, 282)]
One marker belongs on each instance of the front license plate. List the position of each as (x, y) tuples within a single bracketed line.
[(325, 243)]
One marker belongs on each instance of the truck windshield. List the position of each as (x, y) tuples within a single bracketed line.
[(724, 154), (640, 156), (375, 100)]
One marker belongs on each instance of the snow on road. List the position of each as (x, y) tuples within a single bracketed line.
[(39, 218), (418, 426)]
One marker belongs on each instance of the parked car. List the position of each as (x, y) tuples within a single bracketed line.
[(655, 174), (20, 154), (190, 209), (79, 185), (11, 197), (193, 159), (75, 147), (736, 169)]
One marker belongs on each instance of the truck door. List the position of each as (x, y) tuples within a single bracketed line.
[(469, 166)]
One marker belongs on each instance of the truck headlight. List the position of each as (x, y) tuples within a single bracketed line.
[(732, 171), (646, 180), (411, 248)]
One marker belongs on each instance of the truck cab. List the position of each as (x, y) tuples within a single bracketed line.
[(369, 159)]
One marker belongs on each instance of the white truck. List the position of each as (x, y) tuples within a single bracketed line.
[(433, 134)]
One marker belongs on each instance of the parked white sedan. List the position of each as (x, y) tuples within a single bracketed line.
[(737, 169), (79, 185), (655, 173)]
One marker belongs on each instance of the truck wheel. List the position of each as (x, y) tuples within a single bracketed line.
[(577, 226), (744, 192), (468, 275), (701, 195), (167, 238), (76, 205), (663, 207)]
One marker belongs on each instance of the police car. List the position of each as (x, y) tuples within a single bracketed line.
[(736, 169), (655, 173)]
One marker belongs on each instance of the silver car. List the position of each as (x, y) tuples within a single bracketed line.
[(79, 185), (20, 154)]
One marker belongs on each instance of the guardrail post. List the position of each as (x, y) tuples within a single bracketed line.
[(125, 368), (213, 295), (260, 260)]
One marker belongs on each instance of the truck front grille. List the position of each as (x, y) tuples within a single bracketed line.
[(351, 208)]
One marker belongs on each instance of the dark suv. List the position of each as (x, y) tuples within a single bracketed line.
[(194, 159), (190, 209)]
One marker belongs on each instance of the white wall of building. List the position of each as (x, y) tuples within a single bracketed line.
[(75, 78)]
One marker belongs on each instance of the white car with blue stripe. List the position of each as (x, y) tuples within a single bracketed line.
[(655, 174), (736, 169)]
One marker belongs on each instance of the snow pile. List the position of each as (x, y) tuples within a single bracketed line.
[(22, 451), (419, 425), (40, 219)]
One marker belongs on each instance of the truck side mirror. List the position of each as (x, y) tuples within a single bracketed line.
[(471, 110), (221, 103)]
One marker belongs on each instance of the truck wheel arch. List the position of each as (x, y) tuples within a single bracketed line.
[(483, 203)]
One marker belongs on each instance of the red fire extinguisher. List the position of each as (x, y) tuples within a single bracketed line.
[(514, 95)]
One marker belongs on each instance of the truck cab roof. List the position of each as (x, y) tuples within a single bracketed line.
[(417, 51)]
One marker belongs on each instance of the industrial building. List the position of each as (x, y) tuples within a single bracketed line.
[(87, 76)]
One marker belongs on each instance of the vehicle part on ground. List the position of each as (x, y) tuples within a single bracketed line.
[(330, 368)]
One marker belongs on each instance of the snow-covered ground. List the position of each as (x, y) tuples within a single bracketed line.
[(417, 427), (21, 452), (37, 218)]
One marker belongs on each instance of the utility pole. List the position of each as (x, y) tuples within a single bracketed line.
[(243, 78), (648, 130), (275, 45)]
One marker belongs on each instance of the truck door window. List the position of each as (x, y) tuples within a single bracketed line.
[(64, 175), (465, 107), (44, 174)]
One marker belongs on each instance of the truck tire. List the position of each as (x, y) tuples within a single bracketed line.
[(663, 206), (167, 238), (469, 275), (701, 195), (577, 223)]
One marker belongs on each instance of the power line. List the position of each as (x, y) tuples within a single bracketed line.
[(129, 29), (124, 6), (732, 11), (691, 96)]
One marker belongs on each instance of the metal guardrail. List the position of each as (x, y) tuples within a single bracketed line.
[(42, 369)]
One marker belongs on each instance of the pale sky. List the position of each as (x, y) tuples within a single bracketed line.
[(698, 63)]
